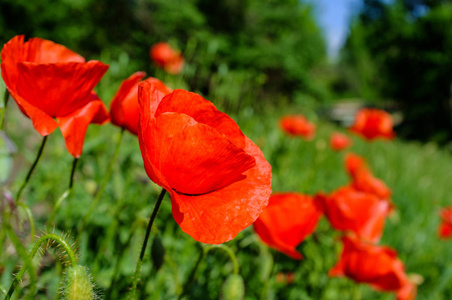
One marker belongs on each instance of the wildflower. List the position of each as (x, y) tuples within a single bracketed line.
[(218, 179), (167, 58), (373, 123), (339, 141), (298, 125), (287, 220), (49, 81), (356, 211), (124, 109), (375, 265)]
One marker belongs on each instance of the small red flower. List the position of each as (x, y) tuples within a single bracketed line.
[(353, 163), (287, 220), (167, 58), (375, 265), (339, 141), (445, 228), (363, 179), (124, 108), (218, 179), (350, 209), (49, 81), (373, 123), (298, 125)]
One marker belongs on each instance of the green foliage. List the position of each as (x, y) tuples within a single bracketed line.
[(402, 51)]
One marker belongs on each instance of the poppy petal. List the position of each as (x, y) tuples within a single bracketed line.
[(202, 111), (43, 51), (74, 126), (61, 88), (287, 220), (11, 54), (219, 216), (196, 158), (150, 93), (124, 109), (42, 122)]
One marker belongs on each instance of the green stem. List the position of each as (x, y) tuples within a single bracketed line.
[(145, 242), (23, 255), (267, 281), (31, 169), (5, 103), (229, 252), (30, 218), (105, 180), (55, 208), (27, 264), (71, 179)]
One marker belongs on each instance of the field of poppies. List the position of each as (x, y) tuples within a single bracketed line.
[(176, 196)]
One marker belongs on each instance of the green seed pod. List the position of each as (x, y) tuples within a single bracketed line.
[(233, 288), (157, 253), (77, 284)]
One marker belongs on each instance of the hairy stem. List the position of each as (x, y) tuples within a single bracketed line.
[(28, 264), (30, 219)]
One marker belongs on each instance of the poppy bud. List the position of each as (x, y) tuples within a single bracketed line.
[(77, 284), (157, 253), (233, 288)]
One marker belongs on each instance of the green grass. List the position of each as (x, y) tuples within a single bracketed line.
[(419, 176)]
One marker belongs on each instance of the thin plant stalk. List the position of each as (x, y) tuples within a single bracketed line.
[(28, 263), (191, 277), (105, 180), (5, 103), (55, 208), (27, 178), (145, 242), (23, 255), (30, 219), (71, 179)]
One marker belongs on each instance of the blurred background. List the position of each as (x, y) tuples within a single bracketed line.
[(324, 55)]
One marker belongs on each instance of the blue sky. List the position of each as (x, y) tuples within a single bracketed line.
[(334, 17)]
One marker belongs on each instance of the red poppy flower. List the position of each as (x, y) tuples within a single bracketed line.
[(339, 141), (298, 125), (445, 228), (350, 209), (124, 109), (287, 220), (353, 163), (49, 81), (373, 123), (167, 58), (363, 179), (218, 178), (375, 265)]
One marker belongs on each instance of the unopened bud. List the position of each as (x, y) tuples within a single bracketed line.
[(233, 288), (77, 284)]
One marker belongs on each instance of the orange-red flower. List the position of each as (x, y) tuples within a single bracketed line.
[(167, 58), (373, 123), (124, 109), (350, 209), (339, 141), (363, 179), (287, 220), (218, 179), (375, 265), (298, 125), (49, 81), (445, 228)]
